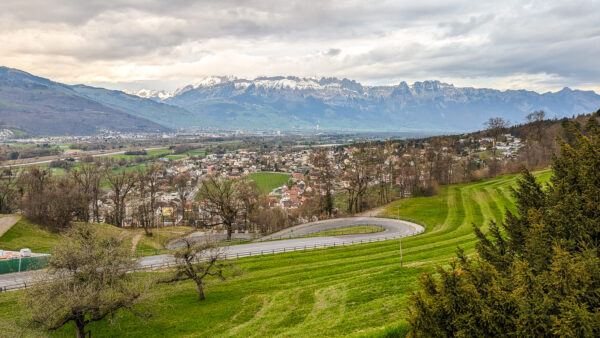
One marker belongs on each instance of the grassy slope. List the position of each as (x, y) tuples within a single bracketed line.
[(27, 235), (356, 290), (362, 229), (269, 181)]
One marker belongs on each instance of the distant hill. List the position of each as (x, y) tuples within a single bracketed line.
[(163, 114), (39, 106)]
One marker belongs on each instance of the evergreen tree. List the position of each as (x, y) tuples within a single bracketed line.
[(538, 273)]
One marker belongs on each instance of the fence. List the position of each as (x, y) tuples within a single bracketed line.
[(23, 264)]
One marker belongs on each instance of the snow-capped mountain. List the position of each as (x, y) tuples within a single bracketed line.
[(303, 102), (157, 95), (279, 102)]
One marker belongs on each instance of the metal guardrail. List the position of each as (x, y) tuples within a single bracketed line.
[(171, 263)]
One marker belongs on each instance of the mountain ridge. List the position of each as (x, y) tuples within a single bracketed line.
[(294, 102), (41, 106)]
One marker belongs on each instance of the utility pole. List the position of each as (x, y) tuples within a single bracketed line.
[(401, 260)]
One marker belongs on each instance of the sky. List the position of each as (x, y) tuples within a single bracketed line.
[(119, 44)]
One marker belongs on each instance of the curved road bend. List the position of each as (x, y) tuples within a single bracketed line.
[(393, 229)]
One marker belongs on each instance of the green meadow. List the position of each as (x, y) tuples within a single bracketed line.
[(269, 181)]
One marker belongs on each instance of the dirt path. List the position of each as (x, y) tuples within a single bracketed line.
[(7, 222), (372, 212), (134, 242)]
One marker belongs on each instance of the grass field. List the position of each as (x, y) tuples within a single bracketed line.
[(176, 156), (358, 290), (269, 181), (152, 152), (362, 229)]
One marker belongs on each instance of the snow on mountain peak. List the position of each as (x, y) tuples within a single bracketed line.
[(213, 80), (150, 94)]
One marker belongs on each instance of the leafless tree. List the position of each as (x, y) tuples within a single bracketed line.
[(120, 184), (197, 260), (358, 174), (325, 175), (220, 203), (180, 183), (247, 193), (88, 178), (50, 201), (153, 175), (144, 212), (86, 281), (8, 191), (496, 126)]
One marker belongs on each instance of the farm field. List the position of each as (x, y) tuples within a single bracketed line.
[(358, 290), (269, 181), (149, 153)]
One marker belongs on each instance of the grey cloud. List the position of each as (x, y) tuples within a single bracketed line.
[(459, 27), (468, 39), (333, 52)]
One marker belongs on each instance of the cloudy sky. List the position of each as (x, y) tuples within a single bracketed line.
[(539, 45)]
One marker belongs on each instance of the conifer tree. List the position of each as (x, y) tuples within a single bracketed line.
[(537, 273)]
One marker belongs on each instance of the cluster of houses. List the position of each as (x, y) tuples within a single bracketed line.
[(239, 164), (226, 165)]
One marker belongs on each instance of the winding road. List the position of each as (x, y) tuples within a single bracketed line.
[(283, 241)]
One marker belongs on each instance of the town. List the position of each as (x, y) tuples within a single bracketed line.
[(299, 183)]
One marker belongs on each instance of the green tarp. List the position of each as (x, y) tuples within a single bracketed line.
[(27, 263)]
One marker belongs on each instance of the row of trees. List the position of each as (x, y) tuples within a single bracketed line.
[(55, 201)]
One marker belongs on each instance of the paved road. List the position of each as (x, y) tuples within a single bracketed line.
[(393, 229)]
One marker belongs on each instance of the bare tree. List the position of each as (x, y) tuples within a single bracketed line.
[(88, 178), (8, 191), (121, 184), (87, 280), (197, 260), (144, 211), (247, 193), (153, 174), (496, 126), (180, 183), (220, 203), (49, 201), (325, 175), (357, 174)]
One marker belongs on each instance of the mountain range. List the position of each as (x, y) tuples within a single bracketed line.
[(43, 107)]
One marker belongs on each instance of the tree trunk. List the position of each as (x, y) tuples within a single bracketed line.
[(200, 291), (96, 211), (80, 326), (229, 227)]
